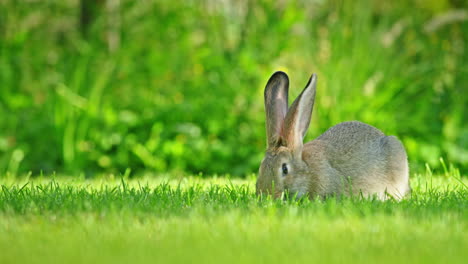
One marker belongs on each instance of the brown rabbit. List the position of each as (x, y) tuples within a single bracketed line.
[(351, 158)]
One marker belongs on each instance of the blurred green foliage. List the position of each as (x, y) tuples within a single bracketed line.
[(178, 85)]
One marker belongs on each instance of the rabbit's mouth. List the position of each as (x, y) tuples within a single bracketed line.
[(297, 188), (289, 194), (300, 194)]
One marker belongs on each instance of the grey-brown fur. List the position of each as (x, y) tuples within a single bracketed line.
[(351, 158)]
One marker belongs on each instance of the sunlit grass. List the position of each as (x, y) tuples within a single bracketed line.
[(69, 220)]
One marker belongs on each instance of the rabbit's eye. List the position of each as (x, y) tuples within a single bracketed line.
[(284, 168)]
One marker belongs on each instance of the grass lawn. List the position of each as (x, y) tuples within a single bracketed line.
[(195, 220)]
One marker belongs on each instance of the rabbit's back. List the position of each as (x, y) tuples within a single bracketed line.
[(353, 157)]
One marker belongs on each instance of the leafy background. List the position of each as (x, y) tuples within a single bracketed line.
[(177, 86)]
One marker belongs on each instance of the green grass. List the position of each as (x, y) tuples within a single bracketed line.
[(159, 220)]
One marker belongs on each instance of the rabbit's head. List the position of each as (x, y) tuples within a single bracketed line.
[(283, 169)]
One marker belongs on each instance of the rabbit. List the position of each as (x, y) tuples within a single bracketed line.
[(351, 158)]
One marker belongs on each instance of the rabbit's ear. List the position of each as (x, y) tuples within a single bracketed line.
[(298, 117), (276, 105)]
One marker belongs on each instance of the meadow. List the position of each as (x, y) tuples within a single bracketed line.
[(212, 220)]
